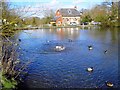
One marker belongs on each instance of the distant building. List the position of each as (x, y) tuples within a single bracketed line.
[(67, 16), (53, 22)]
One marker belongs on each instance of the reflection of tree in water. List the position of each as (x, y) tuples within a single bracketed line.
[(104, 34), (114, 34)]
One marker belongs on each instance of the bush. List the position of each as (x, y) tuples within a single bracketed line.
[(54, 24)]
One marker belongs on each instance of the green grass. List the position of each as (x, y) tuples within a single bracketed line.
[(6, 83)]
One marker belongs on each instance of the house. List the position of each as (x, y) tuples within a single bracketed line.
[(67, 16)]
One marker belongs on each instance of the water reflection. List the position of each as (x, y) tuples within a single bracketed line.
[(64, 33), (94, 34), (68, 68)]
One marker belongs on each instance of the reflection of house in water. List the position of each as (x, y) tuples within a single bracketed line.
[(63, 33), (71, 33), (67, 16)]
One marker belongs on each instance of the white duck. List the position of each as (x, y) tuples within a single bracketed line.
[(59, 48), (90, 69)]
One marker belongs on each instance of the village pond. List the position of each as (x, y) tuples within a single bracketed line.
[(68, 68)]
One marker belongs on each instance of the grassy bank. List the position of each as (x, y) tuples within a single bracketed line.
[(52, 27), (8, 83), (55, 27)]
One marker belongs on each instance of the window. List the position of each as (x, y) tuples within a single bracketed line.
[(59, 22), (69, 11), (67, 19), (75, 19)]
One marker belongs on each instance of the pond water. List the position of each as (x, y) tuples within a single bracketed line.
[(67, 68)]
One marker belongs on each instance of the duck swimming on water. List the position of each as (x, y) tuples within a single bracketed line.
[(59, 48), (90, 47), (48, 41), (109, 84), (70, 40), (90, 69), (19, 40), (105, 51)]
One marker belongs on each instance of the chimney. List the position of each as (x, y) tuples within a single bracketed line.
[(75, 7)]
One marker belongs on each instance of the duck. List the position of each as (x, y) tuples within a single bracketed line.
[(16, 44), (105, 51), (48, 41), (90, 69), (109, 84), (19, 40), (59, 48), (70, 40), (90, 47)]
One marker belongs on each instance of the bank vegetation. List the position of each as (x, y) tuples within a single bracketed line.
[(106, 13)]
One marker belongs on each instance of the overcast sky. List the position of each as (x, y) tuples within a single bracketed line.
[(39, 5)]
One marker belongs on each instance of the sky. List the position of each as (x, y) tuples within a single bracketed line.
[(41, 5)]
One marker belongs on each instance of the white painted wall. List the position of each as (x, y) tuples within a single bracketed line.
[(71, 19)]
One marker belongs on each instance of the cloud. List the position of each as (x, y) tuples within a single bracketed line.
[(54, 2), (39, 6), (78, 1), (86, 1)]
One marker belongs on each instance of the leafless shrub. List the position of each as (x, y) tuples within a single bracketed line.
[(10, 64)]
